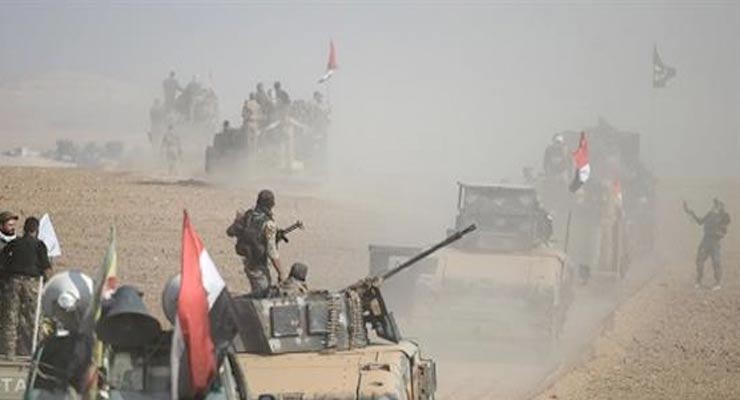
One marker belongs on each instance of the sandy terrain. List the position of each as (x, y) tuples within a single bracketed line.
[(668, 341), (147, 214)]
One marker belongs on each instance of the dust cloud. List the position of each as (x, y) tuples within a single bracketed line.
[(426, 95)]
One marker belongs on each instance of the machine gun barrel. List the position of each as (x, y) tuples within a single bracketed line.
[(377, 280), (413, 260)]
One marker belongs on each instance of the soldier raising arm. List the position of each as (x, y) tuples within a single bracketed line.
[(714, 224)]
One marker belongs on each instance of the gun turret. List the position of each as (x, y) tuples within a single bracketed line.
[(366, 293), (377, 280)]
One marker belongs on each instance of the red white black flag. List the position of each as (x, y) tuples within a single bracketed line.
[(331, 64), (197, 340), (583, 169)]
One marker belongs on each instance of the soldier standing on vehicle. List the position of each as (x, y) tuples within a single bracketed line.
[(263, 99), (715, 224), (27, 262), (253, 119), (256, 241), (295, 285), (557, 160), (170, 87)]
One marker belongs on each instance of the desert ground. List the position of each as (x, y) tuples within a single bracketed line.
[(664, 339)]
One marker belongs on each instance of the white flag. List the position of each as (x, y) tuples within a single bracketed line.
[(49, 236)]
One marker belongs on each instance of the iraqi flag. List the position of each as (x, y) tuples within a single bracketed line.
[(331, 64), (203, 323), (583, 169)]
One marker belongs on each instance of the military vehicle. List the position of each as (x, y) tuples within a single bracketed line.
[(294, 144), (504, 284), (612, 217), (332, 345), (13, 378)]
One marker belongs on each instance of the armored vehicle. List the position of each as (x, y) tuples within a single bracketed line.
[(332, 345), (503, 284), (296, 143), (613, 214)]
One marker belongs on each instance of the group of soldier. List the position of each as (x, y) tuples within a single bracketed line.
[(271, 118), (24, 261), (192, 103)]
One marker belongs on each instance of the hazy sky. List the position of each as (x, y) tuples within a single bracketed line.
[(467, 90)]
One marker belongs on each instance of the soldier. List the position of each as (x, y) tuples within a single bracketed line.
[(281, 96), (7, 235), (715, 224), (263, 99), (170, 87), (295, 285), (27, 261), (253, 120), (7, 227), (157, 117), (172, 149), (557, 160), (256, 235)]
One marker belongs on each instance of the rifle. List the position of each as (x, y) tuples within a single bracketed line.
[(282, 234)]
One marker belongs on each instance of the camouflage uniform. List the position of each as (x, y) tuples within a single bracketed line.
[(19, 293), (258, 271), (172, 150), (715, 227), (4, 287)]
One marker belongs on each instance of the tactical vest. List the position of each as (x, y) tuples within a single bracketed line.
[(251, 242)]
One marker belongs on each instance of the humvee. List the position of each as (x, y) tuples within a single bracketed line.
[(504, 283)]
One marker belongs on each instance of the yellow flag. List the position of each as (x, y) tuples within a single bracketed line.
[(105, 285)]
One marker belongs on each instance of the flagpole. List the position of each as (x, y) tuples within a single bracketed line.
[(37, 319), (328, 93)]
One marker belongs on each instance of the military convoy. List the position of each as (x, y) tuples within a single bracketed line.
[(503, 283)]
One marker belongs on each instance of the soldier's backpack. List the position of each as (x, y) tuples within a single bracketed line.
[(251, 242)]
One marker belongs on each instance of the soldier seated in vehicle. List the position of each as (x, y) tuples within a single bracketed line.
[(295, 284)]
